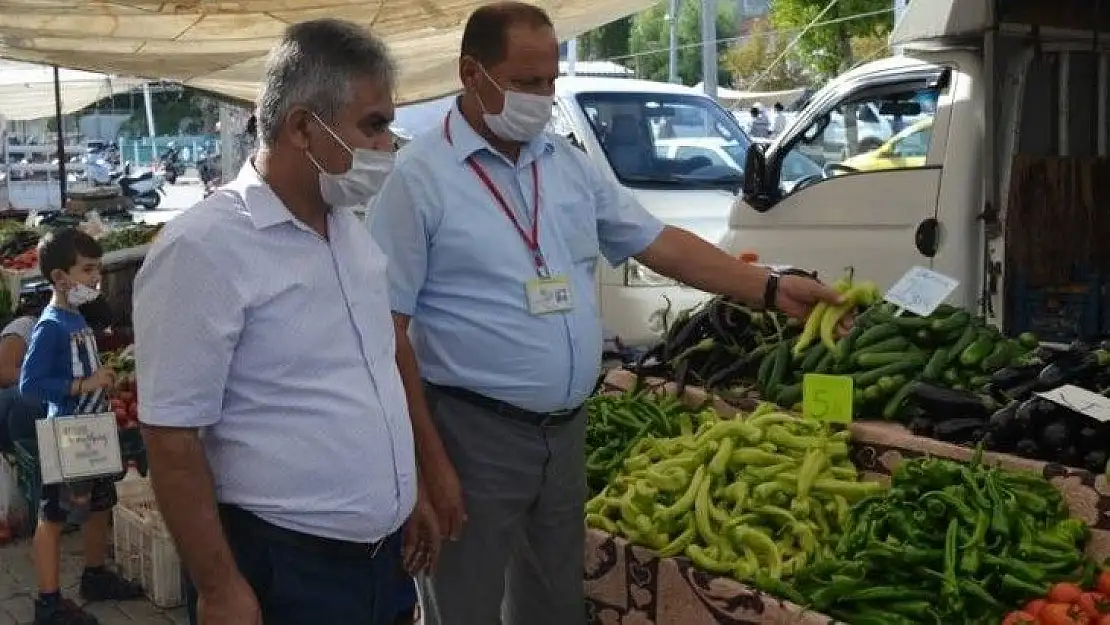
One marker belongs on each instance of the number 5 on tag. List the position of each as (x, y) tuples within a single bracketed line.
[(827, 398)]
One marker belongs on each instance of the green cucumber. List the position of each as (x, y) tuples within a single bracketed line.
[(778, 370), (894, 406), (965, 341), (826, 363), (905, 366), (957, 320), (876, 334), (763, 375), (1028, 340), (977, 351), (912, 323), (935, 365), (1001, 354), (813, 356), (874, 360), (789, 395), (951, 376), (872, 393), (893, 344)]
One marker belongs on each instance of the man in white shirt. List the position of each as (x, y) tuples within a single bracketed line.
[(274, 415), (778, 121)]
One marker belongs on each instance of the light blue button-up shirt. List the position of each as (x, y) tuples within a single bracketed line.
[(279, 344), (458, 266)]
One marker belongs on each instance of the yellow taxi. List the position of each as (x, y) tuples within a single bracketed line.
[(908, 148)]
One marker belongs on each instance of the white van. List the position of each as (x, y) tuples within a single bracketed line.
[(977, 88), (680, 154)]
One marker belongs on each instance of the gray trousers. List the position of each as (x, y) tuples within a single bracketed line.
[(519, 559)]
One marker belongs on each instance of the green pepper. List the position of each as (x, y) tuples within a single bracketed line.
[(757, 457), (702, 517), (681, 542), (744, 537), (707, 560), (1028, 589), (602, 523), (686, 502), (720, 460), (852, 491)]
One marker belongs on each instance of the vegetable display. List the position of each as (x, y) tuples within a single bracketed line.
[(948, 543), (131, 236), (125, 399), (716, 343), (17, 246), (762, 495), (617, 421)]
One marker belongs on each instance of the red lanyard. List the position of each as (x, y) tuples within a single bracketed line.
[(531, 239)]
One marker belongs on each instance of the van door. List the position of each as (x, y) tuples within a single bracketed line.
[(873, 208)]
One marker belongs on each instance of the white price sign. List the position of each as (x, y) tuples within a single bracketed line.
[(921, 290), (1080, 400)]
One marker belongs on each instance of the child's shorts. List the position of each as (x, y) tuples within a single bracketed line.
[(102, 498)]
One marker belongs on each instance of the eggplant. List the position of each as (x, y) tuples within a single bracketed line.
[(1071, 456), (1027, 448), (922, 425), (1095, 461), (957, 430), (1003, 425), (1055, 438), (1079, 370), (948, 403)]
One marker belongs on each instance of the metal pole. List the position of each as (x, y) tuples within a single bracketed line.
[(899, 10), (61, 140), (672, 54), (709, 47), (572, 56)]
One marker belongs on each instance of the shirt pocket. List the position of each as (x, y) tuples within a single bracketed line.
[(580, 234)]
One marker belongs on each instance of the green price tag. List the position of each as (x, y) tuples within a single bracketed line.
[(827, 397)]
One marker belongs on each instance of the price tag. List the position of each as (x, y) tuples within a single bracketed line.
[(921, 290), (1080, 400), (827, 397)]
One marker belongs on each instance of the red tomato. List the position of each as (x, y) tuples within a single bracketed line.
[(1064, 592), (1035, 607), (1093, 604), (1062, 614), (1103, 583), (1102, 620), (1019, 618)]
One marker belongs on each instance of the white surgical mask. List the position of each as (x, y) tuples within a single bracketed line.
[(80, 294), (354, 187), (523, 117)]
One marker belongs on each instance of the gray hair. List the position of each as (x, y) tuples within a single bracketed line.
[(314, 65)]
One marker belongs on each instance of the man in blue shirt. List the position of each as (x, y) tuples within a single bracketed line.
[(62, 369), (493, 231)]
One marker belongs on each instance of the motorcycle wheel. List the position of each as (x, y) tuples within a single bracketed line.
[(171, 176), (148, 202)]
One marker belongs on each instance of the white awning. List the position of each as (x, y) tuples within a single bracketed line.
[(936, 19), (221, 46), (27, 91)]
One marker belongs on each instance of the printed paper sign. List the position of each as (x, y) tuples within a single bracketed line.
[(78, 448), (1080, 400), (921, 290)]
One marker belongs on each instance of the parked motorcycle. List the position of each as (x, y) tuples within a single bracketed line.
[(171, 164), (145, 189)]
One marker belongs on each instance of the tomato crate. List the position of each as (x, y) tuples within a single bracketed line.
[(144, 550), (1059, 313)]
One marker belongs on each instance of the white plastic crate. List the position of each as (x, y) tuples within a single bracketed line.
[(143, 547)]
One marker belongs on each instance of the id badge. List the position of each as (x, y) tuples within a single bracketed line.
[(548, 295)]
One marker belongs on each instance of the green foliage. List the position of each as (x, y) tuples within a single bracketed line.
[(606, 42), (828, 47), (650, 41), (751, 60)]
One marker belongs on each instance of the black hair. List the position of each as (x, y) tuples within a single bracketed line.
[(60, 249), (778, 106), (252, 127), (754, 111), (484, 38)]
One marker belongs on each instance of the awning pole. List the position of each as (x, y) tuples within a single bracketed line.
[(61, 138)]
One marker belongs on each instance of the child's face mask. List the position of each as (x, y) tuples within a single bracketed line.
[(80, 294)]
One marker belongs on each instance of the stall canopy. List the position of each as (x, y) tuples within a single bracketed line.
[(221, 46), (27, 91), (926, 20)]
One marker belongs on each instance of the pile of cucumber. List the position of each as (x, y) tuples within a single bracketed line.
[(885, 351)]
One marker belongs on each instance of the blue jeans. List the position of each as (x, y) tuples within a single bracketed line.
[(17, 418), (296, 585)]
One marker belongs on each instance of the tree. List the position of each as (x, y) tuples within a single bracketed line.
[(751, 60), (650, 41), (828, 46), (606, 42)]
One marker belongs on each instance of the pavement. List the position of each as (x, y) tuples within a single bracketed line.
[(17, 590), (180, 196)]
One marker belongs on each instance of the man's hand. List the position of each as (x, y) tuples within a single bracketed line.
[(446, 497), (235, 605), (422, 538), (797, 296)]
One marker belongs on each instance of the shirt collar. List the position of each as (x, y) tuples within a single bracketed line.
[(264, 206), (465, 141)]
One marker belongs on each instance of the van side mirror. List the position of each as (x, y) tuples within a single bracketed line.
[(756, 191)]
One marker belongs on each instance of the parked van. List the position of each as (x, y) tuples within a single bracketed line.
[(676, 151), (981, 82)]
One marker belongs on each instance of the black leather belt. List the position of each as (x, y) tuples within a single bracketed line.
[(238, 520), (505, 409)]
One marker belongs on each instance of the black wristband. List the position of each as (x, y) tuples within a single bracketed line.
[(771, 291)]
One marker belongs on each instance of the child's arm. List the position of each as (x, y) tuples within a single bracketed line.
[(39, 378)]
